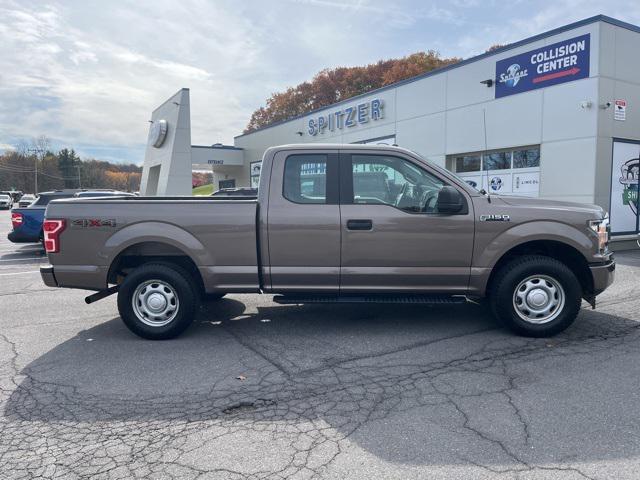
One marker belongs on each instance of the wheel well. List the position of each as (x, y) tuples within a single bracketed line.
[(152, 252), (560, 251)]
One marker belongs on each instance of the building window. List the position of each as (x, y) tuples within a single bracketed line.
[(528, 158), (468, 163), (496, 160), (388, 140), (254, 173), (514, 171)]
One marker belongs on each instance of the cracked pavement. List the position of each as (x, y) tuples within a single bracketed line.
[(256, 390)]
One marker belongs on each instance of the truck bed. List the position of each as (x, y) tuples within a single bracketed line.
[(217, 234)]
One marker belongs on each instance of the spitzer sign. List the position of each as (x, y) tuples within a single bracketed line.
[(557, 63)]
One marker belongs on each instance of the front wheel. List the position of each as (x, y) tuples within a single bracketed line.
[(536, 296), (157, 301)]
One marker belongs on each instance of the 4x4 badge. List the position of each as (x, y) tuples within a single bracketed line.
[(495, 218), (93, 222)]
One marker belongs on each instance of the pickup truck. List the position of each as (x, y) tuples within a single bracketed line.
[(334, 223)]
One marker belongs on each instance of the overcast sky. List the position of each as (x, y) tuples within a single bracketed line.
[(88, 73)]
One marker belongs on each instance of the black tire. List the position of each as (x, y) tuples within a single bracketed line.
[(542, 274), (182, 294)]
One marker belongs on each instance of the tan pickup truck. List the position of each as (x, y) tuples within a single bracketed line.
[(334, 223)]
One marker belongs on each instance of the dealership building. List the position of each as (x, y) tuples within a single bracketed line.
[(555, 116)]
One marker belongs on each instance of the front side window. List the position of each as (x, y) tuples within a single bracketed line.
[(305, 178), (383, 180)]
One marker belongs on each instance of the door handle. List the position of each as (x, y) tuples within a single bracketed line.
[(359, 225)]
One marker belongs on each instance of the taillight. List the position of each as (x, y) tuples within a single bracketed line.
[(52, 230), (16, 219)]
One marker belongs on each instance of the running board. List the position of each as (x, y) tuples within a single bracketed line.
[(371, 298)]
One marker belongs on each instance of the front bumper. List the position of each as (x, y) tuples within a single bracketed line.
[(49, 279), (603, 275)]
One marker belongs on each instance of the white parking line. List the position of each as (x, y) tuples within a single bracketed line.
[(22, 258)]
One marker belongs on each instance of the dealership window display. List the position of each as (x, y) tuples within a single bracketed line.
[(625, 174), (514, 171)]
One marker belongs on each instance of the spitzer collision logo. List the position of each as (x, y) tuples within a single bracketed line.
[(513, 75)]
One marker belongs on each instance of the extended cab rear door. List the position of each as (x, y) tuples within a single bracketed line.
[(303, 220), (393, 238)]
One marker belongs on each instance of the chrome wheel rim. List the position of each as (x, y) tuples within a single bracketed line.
[(538, 299), (155, 303)]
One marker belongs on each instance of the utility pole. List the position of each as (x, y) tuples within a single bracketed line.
[(79, 182), (36, 151)]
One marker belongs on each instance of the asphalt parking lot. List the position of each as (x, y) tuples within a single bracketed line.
[(257, 390)]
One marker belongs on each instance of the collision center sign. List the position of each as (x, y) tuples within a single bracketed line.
[(558, 63)]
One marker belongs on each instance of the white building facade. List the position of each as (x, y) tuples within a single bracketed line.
[(556, 115)]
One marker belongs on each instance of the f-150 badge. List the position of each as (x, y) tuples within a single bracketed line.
[(495, 218)]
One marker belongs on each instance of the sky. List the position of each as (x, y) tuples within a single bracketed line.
[(87, 74)]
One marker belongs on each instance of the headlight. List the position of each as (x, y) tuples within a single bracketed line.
[(601, 229)]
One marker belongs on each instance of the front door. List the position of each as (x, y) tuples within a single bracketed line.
[(304, 222), (393, 238)]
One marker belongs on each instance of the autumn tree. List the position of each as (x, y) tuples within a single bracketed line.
[(333, 85), (496, 46)]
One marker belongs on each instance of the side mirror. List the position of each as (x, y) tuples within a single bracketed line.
[(450, 200)]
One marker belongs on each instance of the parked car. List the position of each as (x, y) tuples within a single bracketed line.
[(14, 194), (335, 224), (6, 202), (236, 192), (26, 200), (27, 221)]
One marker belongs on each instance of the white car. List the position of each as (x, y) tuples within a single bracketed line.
[(6, 201), (26, 200)]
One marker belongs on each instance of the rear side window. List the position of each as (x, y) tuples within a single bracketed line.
[(305, 178)]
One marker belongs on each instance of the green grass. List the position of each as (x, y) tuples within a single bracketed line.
[(203, 190)]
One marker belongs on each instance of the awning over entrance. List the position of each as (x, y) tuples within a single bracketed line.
[(204, 157)]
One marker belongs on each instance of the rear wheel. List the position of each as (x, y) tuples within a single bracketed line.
[(536, 296), (157, 301)]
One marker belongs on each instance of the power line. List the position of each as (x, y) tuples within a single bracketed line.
[(15, 169), (55, 176), (9, 169)]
